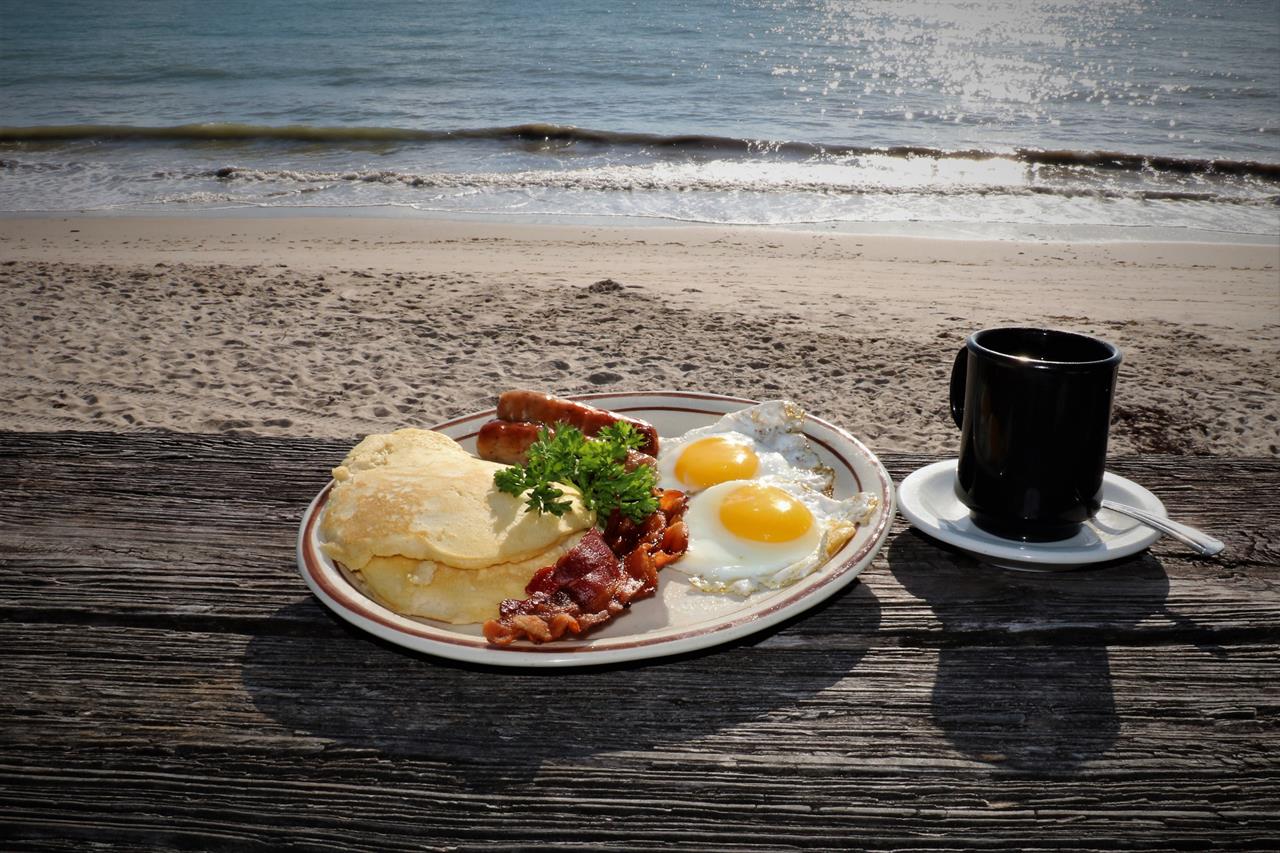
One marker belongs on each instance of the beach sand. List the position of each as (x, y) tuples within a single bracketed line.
[(338, 327)]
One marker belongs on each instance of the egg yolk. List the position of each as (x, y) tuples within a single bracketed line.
[(763, 513), (715, 459)]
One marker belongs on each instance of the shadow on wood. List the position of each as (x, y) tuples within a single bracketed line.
[(1024, 679), (494, 727)]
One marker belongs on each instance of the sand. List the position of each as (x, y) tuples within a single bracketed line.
[(337, 327)]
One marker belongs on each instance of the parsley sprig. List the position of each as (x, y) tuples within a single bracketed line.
[(593, 465)]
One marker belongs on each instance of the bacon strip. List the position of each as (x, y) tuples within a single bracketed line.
[(663, 535), (597, 579)]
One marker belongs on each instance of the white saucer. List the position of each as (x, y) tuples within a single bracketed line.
[(928, 500)]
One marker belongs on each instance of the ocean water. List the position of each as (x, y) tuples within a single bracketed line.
[(1127, 114)]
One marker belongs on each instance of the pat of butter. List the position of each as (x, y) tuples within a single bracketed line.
[(424, 573)]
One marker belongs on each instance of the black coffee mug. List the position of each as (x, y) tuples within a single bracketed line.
[(1034, 410)]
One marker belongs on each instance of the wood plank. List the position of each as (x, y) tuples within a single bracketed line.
[(198, 532), (163, 694), (162, 738)]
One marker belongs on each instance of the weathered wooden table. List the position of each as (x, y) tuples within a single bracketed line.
[(168, 682)]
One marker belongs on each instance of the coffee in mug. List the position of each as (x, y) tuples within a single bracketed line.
[(1034, 410)]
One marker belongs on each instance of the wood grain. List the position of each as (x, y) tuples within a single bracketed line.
[(170, 684)]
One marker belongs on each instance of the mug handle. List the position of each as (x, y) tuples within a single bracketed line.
[(959, 373)]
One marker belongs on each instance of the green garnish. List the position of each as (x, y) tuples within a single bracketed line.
[(593, 465)]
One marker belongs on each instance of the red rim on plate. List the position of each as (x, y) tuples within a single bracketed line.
[(842, 451)]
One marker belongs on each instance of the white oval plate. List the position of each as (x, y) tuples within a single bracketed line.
[(677, 618), (927, 499)]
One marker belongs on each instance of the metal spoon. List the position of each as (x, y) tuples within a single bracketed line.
[(1200, 542)]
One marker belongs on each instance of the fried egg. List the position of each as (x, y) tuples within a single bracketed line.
[(745, 535), (758, 442)]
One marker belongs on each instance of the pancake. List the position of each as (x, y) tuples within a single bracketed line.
[(413, 495), (449, 594), (420, 521), (406, 445)]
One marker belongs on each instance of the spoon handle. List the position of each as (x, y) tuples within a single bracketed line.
[(1202, 542)]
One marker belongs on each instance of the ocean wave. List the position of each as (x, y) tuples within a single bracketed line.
[(555, 134), (644, 179)]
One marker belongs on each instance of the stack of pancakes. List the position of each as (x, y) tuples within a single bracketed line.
[(421, 523)]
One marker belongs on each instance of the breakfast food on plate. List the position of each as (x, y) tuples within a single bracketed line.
[(521, 414), (458, 596), (763, 440), (423, 525), (746, 535), (432, 531), (596, 580), (547, 409), (760, 510), (578, 526)]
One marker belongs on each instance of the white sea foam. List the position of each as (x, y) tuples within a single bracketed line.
[(1148, 112)]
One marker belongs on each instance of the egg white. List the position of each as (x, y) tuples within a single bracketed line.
[(772, 430), (719, 561)]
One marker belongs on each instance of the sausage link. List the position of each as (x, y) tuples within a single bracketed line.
[(507, 442), (544, 408), (635, 459)]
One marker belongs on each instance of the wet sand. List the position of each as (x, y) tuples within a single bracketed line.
[(340, 326)]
